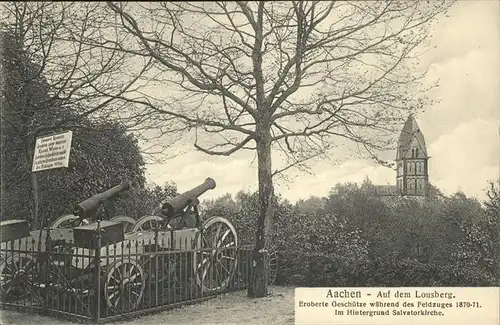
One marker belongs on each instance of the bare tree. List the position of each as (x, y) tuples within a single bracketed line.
[(52, 79), (291, 77)]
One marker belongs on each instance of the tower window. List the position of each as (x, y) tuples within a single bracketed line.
[(416, 152)]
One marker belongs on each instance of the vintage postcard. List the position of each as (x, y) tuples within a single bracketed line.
[(250, 162)]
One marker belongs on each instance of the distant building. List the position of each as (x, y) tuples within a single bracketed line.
[(412, 178)]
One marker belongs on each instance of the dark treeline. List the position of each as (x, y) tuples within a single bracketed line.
[(103, 153), (354, 238)]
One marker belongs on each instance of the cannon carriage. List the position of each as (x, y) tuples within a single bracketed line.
[(128, 260), (20, 259), (162, 249), (15, 234)]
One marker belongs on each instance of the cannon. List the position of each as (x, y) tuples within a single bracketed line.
[(175, 206), (183, 208), (61, 232), (19, 259), (87, 209), (15, 234), (146, 256)]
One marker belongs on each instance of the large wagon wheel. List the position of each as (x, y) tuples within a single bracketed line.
[(124, 285), (17, 275), (273, 266), (67, 221), (128, 223), (147, 223), (216, 264)]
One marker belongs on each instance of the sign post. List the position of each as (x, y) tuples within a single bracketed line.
[(51, 151)]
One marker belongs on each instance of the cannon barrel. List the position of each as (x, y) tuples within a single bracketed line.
[(88, 208), (174, 206)]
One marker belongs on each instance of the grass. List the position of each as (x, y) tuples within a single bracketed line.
[(227, 309)]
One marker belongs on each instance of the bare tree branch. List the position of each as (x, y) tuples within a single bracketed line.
[(300, 77), (85, 77), (256, 59)]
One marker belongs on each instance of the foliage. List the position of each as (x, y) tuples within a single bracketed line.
[(139, 202), (354, 238), (82, 76), (20, 84), (319, 247), (102, 155), (408, 272), (493, 204), (241, 211)]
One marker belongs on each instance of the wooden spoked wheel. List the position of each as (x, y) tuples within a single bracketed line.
[(273, 266), (124, 285), (17, 276), (216, 264), (147, 223), (67, 221), (128, 223)]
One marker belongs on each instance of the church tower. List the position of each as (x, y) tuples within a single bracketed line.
[(412, 169)]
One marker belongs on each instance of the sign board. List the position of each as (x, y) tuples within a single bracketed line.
[(52, 151), (397, 305)]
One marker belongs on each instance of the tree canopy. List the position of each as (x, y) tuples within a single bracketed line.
[(102, 154)]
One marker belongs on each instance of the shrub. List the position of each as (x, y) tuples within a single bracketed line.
[(353, 238)]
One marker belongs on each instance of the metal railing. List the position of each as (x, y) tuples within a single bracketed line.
[(103, 283)]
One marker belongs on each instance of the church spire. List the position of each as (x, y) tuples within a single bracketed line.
[(410, 132), (411, 158)]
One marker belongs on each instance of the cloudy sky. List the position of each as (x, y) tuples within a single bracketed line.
[(461, 131)]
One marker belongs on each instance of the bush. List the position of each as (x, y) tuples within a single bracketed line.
[(354, 238)]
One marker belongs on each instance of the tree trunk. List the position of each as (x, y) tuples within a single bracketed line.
[(260, 258), (257, 286), (37, 224), (30, 149)]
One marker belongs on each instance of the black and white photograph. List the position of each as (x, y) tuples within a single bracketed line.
[(197, 162)]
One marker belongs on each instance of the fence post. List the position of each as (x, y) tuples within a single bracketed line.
[(156, 266), (198, 252), (97, 262), (47, 257)]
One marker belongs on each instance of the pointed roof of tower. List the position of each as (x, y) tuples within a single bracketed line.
[(410, 131)]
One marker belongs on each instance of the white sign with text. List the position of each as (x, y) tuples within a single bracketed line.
[(412, 306), (52, 151)]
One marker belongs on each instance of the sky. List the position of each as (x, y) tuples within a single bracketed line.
[(461, 130)]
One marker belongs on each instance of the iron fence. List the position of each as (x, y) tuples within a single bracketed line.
[(53, 275)]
